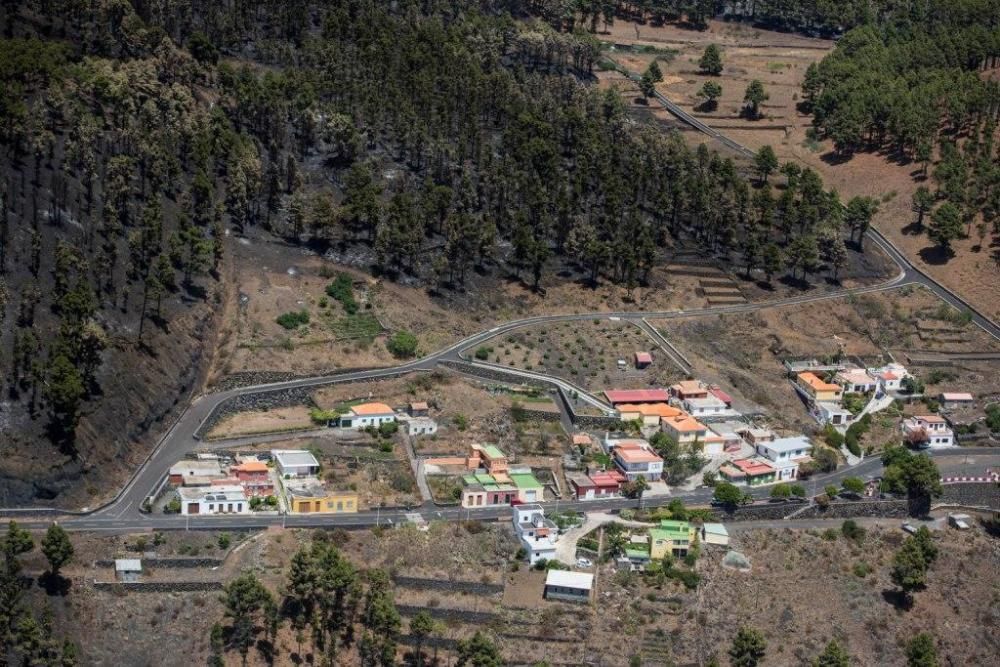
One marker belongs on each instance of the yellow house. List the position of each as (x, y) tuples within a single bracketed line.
[(317, 500), (818, 389)]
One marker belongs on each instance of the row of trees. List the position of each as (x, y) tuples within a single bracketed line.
[(328, 602), (749, 648), (25, 638)]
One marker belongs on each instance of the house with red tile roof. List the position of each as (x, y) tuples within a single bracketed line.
[(618, 396), (752, 472), (636, 460)]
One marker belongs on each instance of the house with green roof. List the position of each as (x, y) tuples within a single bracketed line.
[(673, 537), (529, 489)]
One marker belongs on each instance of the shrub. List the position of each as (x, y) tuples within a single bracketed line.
[(862, 569), (402, 344), (852, 531), (173, 507), (483, 353), (830, 534), (388, 429), (293, 320), (830, 490), (385, 446), (798, 490), (460, 421), (342, 290), (224, 541), (781, 491), (853, 484)]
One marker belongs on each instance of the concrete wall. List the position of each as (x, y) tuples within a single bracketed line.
[(838, 510)]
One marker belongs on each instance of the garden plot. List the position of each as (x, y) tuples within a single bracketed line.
[(593, 355)]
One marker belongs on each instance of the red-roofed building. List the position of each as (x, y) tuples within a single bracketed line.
[(722, 396), (752, 472), (617, 396), (643, 359), (607, 483)]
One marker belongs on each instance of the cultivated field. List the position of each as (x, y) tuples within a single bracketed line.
[(585, 353)]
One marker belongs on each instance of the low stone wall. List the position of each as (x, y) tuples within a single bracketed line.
[(540, 415), (496, 374), (169, 563), (898, 509), (599, 422), (452, 586), (448, 614), (158, 586), (838, 510), (973, 494)]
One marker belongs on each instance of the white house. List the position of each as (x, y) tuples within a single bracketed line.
[(569, 586), (213, 500), (856, 380), (827, 412), (705, 407), (891, 376), (538, 535), (956, 399), (363, 415), (785, 454), (928, 431), (414, 426), (635, 461), (295, 462), (714, 533)]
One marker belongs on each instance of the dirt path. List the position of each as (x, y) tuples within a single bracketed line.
[(566, 546)]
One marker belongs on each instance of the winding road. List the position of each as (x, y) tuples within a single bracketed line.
[(122, 513)]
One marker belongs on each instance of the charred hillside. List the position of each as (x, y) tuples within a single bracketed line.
[(444, 140)]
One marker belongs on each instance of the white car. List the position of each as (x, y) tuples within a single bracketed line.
[(584, 562)]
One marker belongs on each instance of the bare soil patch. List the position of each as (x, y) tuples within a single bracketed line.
[(258, 422)]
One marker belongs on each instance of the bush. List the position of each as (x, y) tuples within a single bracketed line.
[(852, 531), (709, 479), (271, 501), (388, 429), (342, 290), (460, 421), (483, 353), (172, 507), (402, 344), (798, 490), (385, 446), (728, 494), (832, 436), (830, 534), (853, 484), (292, 320), (224, 541), (862, 569), (830, 490), (781, 491)]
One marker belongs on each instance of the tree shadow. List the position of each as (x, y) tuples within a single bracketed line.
[(54, 584), (936, 255), (707, 106), (898, 599), (913, 229), (797, 283), (834, 158)]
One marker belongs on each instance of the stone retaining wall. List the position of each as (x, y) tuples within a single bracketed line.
[(448, 614), (974, 494), (599, 422), (444, 585), (159, 586), (540, 415), (898, 509), (838, 510), (169, 563)]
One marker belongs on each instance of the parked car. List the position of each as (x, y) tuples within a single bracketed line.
[(584, 562), (909, 527)]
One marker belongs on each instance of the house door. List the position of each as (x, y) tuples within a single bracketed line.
[(193, 508), (305, 507)]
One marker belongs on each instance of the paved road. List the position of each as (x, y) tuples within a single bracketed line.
[(123, 512), (133, 522)]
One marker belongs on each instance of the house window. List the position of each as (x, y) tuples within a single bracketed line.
[(230, 507), (350, 504), (211, 508), (340, 505)]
